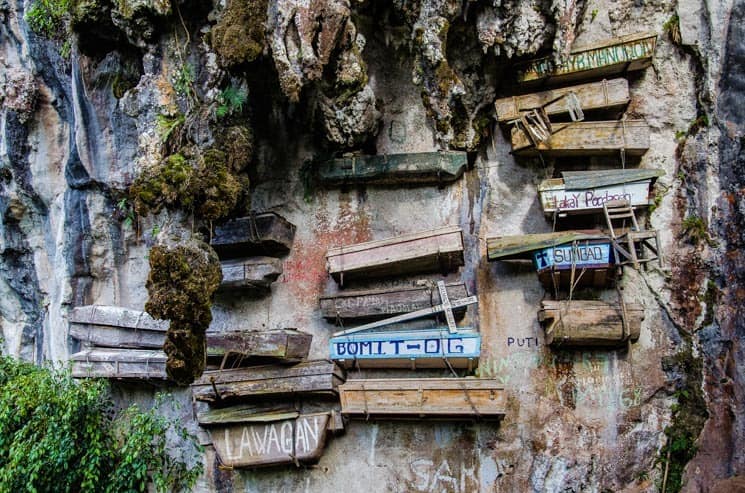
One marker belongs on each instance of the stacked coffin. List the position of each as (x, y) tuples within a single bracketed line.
[(552, 123), (278, 413), (248, 247), (385, 342)]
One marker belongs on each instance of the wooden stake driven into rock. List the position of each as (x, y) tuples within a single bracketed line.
[(446, 306)]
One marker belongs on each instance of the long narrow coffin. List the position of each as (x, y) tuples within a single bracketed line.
[(271, 439), (614, 56), (590, 323), (586, 191), (375, 304), (604, 95), (587, 138), (469, 398), (261, 234), (567, 257), (439, 249), (255, 274), (114, 326), (319, 377), (437, 348), (388, 169), (126, 364), (287, 345)]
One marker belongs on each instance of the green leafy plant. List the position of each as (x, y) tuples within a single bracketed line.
[(125, 210), (48, 17), (695, 229), (183, 79), (62, 435), (166, 125), (672, 27), (231, 100), (593, 14)]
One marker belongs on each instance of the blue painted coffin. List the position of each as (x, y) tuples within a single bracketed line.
[(408, 349), (589, 255)]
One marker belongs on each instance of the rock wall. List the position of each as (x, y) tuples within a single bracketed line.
[(386, 77)]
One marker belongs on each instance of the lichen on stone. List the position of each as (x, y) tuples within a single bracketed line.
[(238, 37), (183, 278)]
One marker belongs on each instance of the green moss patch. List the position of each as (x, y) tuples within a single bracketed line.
[(239, 35)]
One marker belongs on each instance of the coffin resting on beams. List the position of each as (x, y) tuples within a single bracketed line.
[(122, 364), (450, 398), (320, 377), (582, 192), (610, 57), (590, 323), (261, 234), (585, 138), (282, 436), (383, 303), (566, 259), (392, 169), (603, 95), (427, 251), (254, 274)]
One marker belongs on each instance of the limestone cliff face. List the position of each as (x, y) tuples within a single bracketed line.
[(149, 80)]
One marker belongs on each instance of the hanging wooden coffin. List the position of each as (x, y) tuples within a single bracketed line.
[(261, 234), (586, 191), (126, 364), (408, 349), (318, 377), (391, 169), (250, 274), (271, 439), (287, 345), (428, 251), (585, 138), (376, 304), (603, 95), (614, 56), (117, 327), (590, 323), (451, 398)]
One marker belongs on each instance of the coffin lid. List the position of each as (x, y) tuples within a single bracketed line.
[(521, 246), (583, 180)]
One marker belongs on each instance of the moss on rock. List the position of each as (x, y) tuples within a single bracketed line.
[(238, 143), (166, 184), (239, 35), (181, 285), (215, 188)]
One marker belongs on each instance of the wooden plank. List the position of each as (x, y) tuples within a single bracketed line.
[(593, 254), (606, 95), (250, 274), (595, 278), (120, 364), (590, 323), (586, 139), (262, 234), (521, 247), (244, 413), (407, 349), (440, 249), (387, 169), (426, 397), (283, 344), (288, 441), (115, 326), (383, 303), (268, 381), (614, 56)]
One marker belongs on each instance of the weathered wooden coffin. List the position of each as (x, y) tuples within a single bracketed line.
[(273, 439), (126, 364), (590, 323), (250, 274), (261, 234), (319, 377), (582, 258), (439, 249), (603, 95), (387, 169), (587, 138), (114, 326), (288, 345), (383, 303), (423, 397), (586, 191), (417, 348), (614, 56)]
